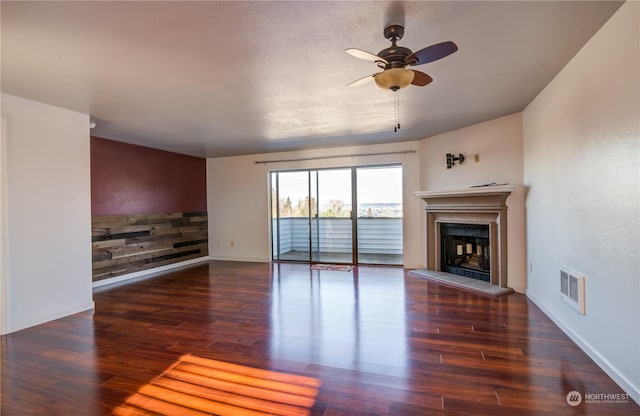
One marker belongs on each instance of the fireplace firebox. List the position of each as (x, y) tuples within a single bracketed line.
[(465, 250)]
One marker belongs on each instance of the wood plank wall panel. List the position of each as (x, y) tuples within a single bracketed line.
[(123, 244)]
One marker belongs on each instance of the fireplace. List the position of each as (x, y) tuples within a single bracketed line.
[(465, 250), (467, 232)]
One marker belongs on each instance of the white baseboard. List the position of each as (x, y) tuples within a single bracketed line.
[(20, 325), (149, 272), (612, 371), (247, 259)]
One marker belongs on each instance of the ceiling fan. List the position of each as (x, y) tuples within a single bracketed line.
[(394, 59)]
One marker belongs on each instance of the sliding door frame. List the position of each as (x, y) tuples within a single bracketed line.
[(354, 215), (275, 245)]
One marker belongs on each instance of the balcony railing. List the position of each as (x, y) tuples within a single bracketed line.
[(378, 238)]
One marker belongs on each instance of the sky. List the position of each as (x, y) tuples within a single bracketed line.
[(375, 184)]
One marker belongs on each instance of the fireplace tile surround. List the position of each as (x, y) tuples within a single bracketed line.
[(478, 206)]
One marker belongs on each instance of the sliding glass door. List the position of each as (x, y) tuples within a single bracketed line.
[(379, 224), (342, 215), (311, 216), (334, 223), (292, 208)]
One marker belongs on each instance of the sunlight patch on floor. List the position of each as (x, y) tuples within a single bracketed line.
[(202, 386)]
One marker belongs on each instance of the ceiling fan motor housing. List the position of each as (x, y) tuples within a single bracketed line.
[(395, 55)]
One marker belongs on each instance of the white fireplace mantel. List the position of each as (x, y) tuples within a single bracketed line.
[(478, 199), (480, 190), (477, 205)]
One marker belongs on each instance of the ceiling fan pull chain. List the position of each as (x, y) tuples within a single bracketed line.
[(395, 111), (396, 103), (398, 111)]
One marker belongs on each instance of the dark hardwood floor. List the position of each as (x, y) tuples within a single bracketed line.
[(381, 341)]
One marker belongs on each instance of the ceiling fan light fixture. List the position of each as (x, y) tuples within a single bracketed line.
[(394, 79)]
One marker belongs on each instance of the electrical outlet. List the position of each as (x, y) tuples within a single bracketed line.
[(232, 243)]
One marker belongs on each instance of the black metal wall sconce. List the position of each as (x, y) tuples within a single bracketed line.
[(452, 159)]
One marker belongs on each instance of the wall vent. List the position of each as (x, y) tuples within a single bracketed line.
[(572, 289)]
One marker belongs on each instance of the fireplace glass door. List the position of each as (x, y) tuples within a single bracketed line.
[(465, 250)]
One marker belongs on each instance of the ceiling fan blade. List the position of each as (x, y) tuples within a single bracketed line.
[(362, 80), (421, 79), (367, 56), (431, 53)]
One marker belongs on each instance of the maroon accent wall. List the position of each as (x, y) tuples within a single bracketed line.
[(128, 179)]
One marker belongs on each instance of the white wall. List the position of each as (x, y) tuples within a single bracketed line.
[(48, 212), (238, 200), (3, 225), (581, 165), (498, 144)]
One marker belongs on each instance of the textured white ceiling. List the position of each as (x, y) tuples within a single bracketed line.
[(227, 78)]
